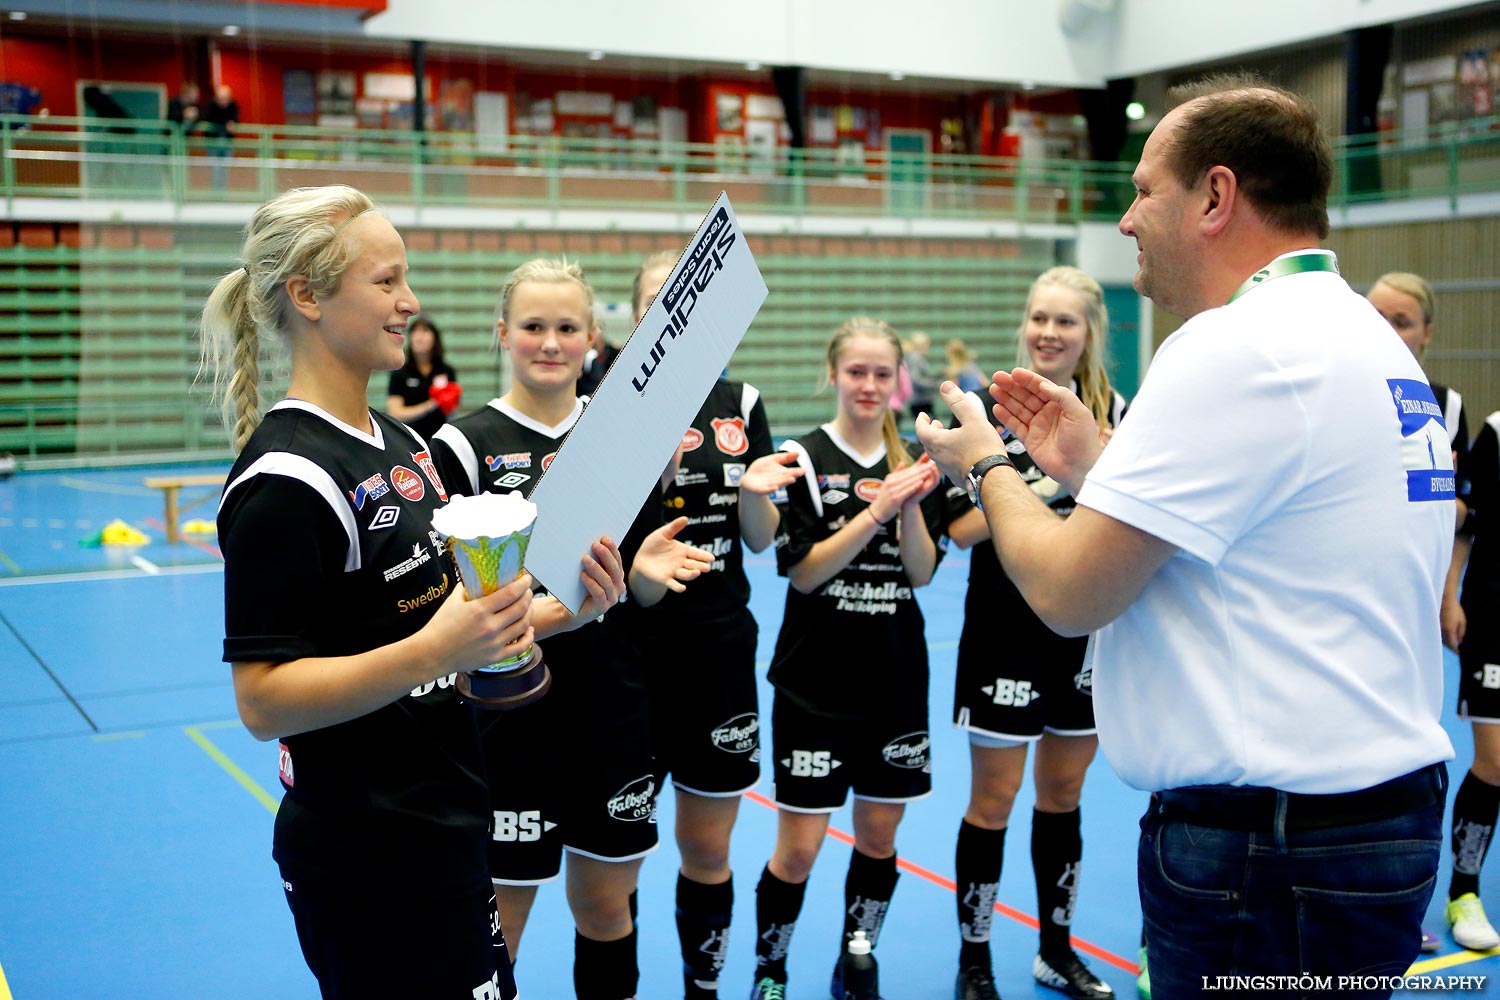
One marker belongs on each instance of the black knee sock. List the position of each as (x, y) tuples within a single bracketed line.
[(777, 905), (867, 895), (1056, 853), (1475, 808), (703, 913), (978, 860), (605, 970)]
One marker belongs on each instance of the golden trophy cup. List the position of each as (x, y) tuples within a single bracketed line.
[(487, 536)]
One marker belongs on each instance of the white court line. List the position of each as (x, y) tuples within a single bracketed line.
[(112, 574), (145, 564), (119, 489)]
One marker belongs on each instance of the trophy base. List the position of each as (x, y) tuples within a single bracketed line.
[(509, 689)]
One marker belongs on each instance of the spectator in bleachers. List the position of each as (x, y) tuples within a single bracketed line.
[(222, 116), (425, 390), (963, 368), (184, 111)]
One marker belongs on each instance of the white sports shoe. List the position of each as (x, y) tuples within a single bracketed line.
[(1471, 928)]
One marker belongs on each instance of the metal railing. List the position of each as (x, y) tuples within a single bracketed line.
[(135, 159)]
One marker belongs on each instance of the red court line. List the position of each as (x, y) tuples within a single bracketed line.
[(212, 550), (1018, 916)]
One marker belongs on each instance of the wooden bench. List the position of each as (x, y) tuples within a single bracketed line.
[(169, 485)]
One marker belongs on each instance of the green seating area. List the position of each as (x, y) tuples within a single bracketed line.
[(99, 350)]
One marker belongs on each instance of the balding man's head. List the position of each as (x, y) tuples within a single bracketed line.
[(1268, 137)]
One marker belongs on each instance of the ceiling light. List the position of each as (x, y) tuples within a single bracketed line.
[(897, 75), (231, 30), (1135, 111), (1028, 85), (752, 65), (596, 55), (18, 15)]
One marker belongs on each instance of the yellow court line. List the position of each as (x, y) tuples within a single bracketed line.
[(1448, 961), (4, 987), (10, 564), (248, 783)]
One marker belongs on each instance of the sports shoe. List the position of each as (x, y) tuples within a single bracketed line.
[(1429, 942), (975, 983), (1065, 971), (768, 989), (1471, 928), (1143, 981)]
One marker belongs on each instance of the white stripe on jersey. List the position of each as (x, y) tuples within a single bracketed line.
[(463, 451), (1452, 406), (747, 402), (284, 463), (810, 475)]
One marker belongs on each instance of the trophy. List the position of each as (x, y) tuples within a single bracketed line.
[(487, 537)]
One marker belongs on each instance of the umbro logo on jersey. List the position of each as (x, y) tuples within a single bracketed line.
[(385, 516), (733, 473), (691, 439), (371, 489), (511, 480), (834, 496), (1014, 446), (909, 751), (513, 460), (407, 483), (868, 489), (729, 435)]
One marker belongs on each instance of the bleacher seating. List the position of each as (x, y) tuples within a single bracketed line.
[(98, 346)]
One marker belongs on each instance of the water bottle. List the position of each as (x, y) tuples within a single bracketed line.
[(861, 981)]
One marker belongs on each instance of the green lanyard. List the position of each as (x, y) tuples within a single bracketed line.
[(1284, 266)]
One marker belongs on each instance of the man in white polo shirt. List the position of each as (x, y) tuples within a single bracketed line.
[(1260, 552)]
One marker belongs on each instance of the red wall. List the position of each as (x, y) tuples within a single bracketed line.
[(255, 70)]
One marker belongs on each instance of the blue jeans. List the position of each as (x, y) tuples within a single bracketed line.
[(1286, 901)]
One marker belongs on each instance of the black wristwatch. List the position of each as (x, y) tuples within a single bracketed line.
[(976, 475)]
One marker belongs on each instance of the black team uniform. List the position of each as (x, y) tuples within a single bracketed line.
[(1041, 684), (1477, 804), (704, 722), (572, 771), (384, 822), (850, 672)]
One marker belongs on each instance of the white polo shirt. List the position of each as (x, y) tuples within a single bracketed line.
[(1284, 445)]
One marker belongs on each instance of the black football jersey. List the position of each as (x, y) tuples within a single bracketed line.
[(729, 433), (329, 551), (497, 449), (992, 597), (858, 641), (1481, 590)]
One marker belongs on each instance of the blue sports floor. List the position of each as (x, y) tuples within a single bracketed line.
[(135, 811)]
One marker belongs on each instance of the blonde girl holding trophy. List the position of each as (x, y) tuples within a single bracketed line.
[(572, 773), (342, 621)]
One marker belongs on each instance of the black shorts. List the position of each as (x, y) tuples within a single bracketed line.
[(1018, 686), (819, 759), (572, 771), (396, 937), (705, 722), (1479, 674)]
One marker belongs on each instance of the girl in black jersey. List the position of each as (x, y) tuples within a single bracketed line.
[(859, 532), (342, 621), (1406, 302), (424, 390), (572, 773), (1039, 692), (704, 719)]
